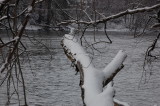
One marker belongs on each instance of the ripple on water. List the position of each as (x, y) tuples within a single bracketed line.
[(52, 82)]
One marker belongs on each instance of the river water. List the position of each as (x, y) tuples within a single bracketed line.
[(51, 81)]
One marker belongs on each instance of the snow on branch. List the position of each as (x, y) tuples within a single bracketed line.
[(120, 102), (3, 17), (4, 65), (91, 79), (120, 14), (114, 66), (39, 1), (156, 25), (17, 40), (74, 51), (13, 40), (2, 3)]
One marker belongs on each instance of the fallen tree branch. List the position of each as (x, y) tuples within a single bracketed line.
[(91, 79)]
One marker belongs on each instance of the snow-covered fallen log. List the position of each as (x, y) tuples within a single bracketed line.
[(96, 85)]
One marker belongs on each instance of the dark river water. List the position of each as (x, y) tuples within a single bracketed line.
[(51, 81)]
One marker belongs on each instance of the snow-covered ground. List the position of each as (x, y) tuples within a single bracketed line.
[(52, 82)]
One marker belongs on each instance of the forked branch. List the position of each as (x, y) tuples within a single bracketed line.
[(92, 79)]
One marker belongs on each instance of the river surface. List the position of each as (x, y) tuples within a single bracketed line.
[(51, 81)]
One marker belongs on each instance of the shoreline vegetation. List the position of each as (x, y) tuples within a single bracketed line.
[(118, 28)]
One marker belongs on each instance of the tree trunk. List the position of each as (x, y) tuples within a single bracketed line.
[(96, 85)]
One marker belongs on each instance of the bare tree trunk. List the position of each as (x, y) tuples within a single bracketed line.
[(48, 12), (40, 13), (48, 19), (12, 59)]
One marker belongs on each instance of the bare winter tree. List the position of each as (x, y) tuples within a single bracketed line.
[(11, 72)]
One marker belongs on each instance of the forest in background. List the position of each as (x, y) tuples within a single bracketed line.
[(49, 13)]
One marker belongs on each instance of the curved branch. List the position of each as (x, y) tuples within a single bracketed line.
[(105, 27), (120, 14)]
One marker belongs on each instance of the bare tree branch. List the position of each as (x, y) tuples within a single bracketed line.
[(103, 20), (5, 44)]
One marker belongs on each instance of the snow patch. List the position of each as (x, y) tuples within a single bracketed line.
[(29, 8), (3, 17), (1, 1)]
